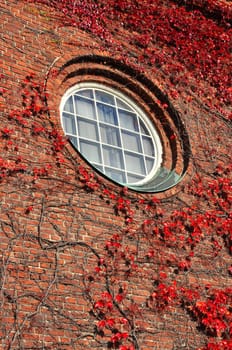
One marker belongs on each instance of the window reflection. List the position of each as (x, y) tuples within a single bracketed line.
[(107, 114), (85, 107), (110, 135)]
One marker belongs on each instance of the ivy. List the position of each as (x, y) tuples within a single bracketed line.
[(151, 243)]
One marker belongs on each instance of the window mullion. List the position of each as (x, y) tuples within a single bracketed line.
[(141, 141), (99, 130), (76, 124), (122, 148)]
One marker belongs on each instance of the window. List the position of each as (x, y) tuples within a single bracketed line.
[(112, 133)]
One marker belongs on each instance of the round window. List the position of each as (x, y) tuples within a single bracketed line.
[(112, 133)]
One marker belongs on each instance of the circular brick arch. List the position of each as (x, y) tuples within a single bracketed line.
[(143, 91)]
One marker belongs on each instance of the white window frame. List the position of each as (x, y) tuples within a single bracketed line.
[(141, 115)]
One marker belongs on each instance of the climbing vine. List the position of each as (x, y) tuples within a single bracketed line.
[(179, 40), (150, 261)]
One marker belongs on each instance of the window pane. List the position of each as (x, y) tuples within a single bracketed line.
[(123, 105), (104, 97), (85, 107), (133, 178), (149, 164), (113, 157), (134, 164), (131, 142), (143, 128), (118, 176), (86, 93), (148, 146), (69, 124), (88, 130), (73, 140), (100, 168), (110, 135), (128, 120), (90, 151), (107, 114), (68, 107)]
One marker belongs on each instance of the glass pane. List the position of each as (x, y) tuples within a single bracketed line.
[(131, 142), (128, 120), (107, 114), (149, 164), (104, 97), (143, 128), (100, 168), (135, 164), (88, 129), (133, 178), (123, 105), (68, 107), (73, 140), (69, 124), (110, 135), (118, 176), (91, 151), (85, 107), (113, 157), (86, 93), (148, 146)]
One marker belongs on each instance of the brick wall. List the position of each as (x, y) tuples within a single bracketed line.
[(77, 249)]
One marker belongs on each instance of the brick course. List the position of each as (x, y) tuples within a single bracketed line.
[(50, 254)]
